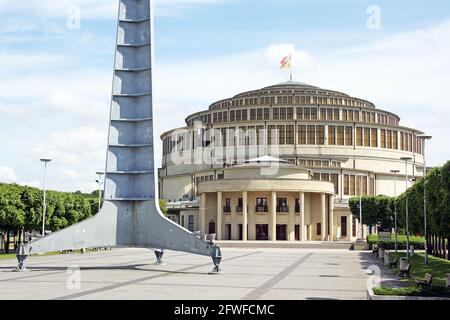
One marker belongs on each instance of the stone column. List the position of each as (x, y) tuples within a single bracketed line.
[(323, 210), (202, 213), (291, 222), (349, 226), (331, 222), (303, 235), (244, 216), (273, 217), (219, 216)]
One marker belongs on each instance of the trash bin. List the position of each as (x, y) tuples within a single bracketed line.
[(387, 258), (381, 254), (403, 263), (411, 250)]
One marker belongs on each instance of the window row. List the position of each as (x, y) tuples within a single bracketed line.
[(355, 185), (292, 113), (287, 135)]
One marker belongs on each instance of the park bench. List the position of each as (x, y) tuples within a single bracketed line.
[(405, 272), (393, 263), (426, 281)]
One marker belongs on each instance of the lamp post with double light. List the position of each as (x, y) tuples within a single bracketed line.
[(424, 138), (406, 159), (99, 181), (395, 172), (44, 209)]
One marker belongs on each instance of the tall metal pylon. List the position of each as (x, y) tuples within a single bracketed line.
[(130, 216)]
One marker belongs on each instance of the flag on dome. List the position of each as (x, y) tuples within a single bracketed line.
[(286, 62)]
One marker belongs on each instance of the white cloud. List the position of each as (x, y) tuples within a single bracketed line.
[(7, 174)]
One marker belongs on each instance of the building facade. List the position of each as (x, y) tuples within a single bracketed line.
[(284, 160)]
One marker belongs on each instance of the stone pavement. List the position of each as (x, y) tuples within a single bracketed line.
[(246, 274)]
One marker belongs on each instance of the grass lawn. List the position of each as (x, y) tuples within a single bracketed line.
[(437, 267), (7, 256)]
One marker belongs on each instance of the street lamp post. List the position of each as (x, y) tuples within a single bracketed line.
[(395, 172), (424, 137), (406, 159), (360, 208), (45, 161), (99, 181)]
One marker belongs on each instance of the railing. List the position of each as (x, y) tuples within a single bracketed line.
[(239, 209), (297, 209), (261, 209), (283, 209), (227, 209)]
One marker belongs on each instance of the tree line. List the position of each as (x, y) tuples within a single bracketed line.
[(21, 210), (380, 210)]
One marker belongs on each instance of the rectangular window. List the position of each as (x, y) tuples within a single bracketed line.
[(323, 114), (244, 115), (358, 185), (356, 116), (350, 115), (319, 229), (329, 114), (238, 115), (352, 185), (272, 135), (331, 135), (344, 115), (343, 226), (320, 134), (383, 138), (276, 114), (281, 134), (252, 114), (388, 139), (282, 113), (290, 135), (364, 186), (366, 137), (395, 140), (311, 135), (266, 113), (340, 136), (346, 185), (251, 133), (313, 113), (348, 136), (359, 134), (301, 134), (191, 223), (374, 138), (299, 113), (232, 116), (290, 113), (307, 114), (242, 136), (260, 132), (336, 115), (334, 178)]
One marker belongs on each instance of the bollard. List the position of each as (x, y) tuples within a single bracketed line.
[(411, 250), (381, 253), (387, 258)]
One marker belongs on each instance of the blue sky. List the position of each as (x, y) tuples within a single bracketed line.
[(56, 82)]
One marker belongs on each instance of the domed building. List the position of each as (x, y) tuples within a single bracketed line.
[(284, 161)]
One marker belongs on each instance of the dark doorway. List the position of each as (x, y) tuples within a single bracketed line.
[(281, 232), (262, 232), (228, 232), (297, 232), (240, 232), (344, 226), (212, 227)]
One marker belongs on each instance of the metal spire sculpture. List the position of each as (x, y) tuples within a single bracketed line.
[(130, 216)]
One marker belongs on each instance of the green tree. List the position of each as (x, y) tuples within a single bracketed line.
[(163, 206)]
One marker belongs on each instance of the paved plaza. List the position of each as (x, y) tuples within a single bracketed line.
[(249, 273)]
